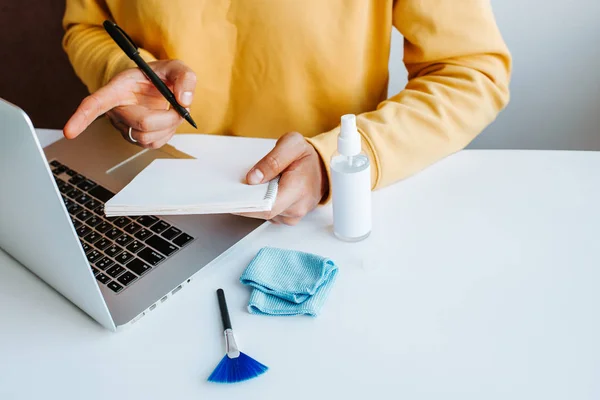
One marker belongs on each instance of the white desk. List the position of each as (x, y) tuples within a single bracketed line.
[(480, 281)]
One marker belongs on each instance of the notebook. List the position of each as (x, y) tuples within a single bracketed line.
[(211, 184)]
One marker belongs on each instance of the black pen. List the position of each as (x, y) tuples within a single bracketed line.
[(127, 45)]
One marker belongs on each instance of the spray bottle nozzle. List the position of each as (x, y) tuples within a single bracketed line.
[(349, 138), (348, 126)]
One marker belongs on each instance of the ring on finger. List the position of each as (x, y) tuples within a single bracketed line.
[(131, 137)]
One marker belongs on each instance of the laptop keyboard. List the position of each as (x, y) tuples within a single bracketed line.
[(120, 250)]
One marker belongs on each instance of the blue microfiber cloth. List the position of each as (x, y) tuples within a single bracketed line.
[(288, 282)]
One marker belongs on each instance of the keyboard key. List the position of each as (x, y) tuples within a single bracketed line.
[(95, 271), (135, 246), (67, 202), (77, 224), (105, 263), (75, 193), (74, 208), (86, 247), (83, 231), (92, 204), (84, 215), (115, 287), (115, 270), (183, 239), (132, 228), (65, 188), (162, 245), (143, 234), (55, 163), (103, 227), (138, 266), (113, 233), (147, 220), (159, 227), (124, 257), (124, 240), (103, 278), (77, 179), (113, 250), (102, 244), (93, 237), (99, 211), (86, 185), (95, 220), (59, 170), (150, 256), (84, 198), (121, 222), (93, 256), (127, 278), (101, 193), (171, 233), (70, 172)]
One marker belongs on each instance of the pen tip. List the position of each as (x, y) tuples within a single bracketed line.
[(189, 119)]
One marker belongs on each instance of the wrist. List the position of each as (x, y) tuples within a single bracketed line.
[(324, 179)]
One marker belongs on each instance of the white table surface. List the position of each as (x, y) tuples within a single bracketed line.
[(479, 281)]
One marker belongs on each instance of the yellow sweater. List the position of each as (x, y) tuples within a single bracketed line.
[(266, 67)]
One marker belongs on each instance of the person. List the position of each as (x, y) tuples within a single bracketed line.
[(289, 70)]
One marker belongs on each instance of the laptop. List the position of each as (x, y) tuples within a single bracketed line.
[(52, 221)]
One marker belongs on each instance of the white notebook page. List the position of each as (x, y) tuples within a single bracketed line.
[(214, 182)]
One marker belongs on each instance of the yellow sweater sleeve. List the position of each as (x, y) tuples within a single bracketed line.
[(95, 57), (458, 77)]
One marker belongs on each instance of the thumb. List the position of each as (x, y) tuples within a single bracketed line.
[(288, 149), (183, 80)]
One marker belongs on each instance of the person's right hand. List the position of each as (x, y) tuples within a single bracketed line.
[(131, 100)]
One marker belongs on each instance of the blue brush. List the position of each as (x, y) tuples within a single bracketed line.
[(235, 365)]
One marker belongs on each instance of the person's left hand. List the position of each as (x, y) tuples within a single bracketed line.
[(302, 184)]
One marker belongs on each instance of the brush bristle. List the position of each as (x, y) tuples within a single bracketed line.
[(242, 368)]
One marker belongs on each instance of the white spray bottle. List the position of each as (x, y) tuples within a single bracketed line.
[(350, 185)]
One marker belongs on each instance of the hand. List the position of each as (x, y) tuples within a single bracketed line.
[(302, 184), (131, 100)]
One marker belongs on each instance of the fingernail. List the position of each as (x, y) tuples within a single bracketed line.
[(186, 98), (255, 177)]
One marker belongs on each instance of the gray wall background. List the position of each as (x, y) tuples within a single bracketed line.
[(555, 87)]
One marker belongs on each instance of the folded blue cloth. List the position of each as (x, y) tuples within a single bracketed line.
[(288, 282)]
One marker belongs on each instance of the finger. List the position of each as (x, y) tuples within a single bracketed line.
[(161, 142), (152, 140), (147, 140), (286, 220), (144, 119), (298, 210), (182, 78), (124, 129), (94, 105), (289, 192), (288, 149)]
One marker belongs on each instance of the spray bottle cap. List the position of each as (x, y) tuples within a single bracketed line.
[(349, 138)]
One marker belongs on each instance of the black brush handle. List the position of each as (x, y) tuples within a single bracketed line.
[(224, 310)]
